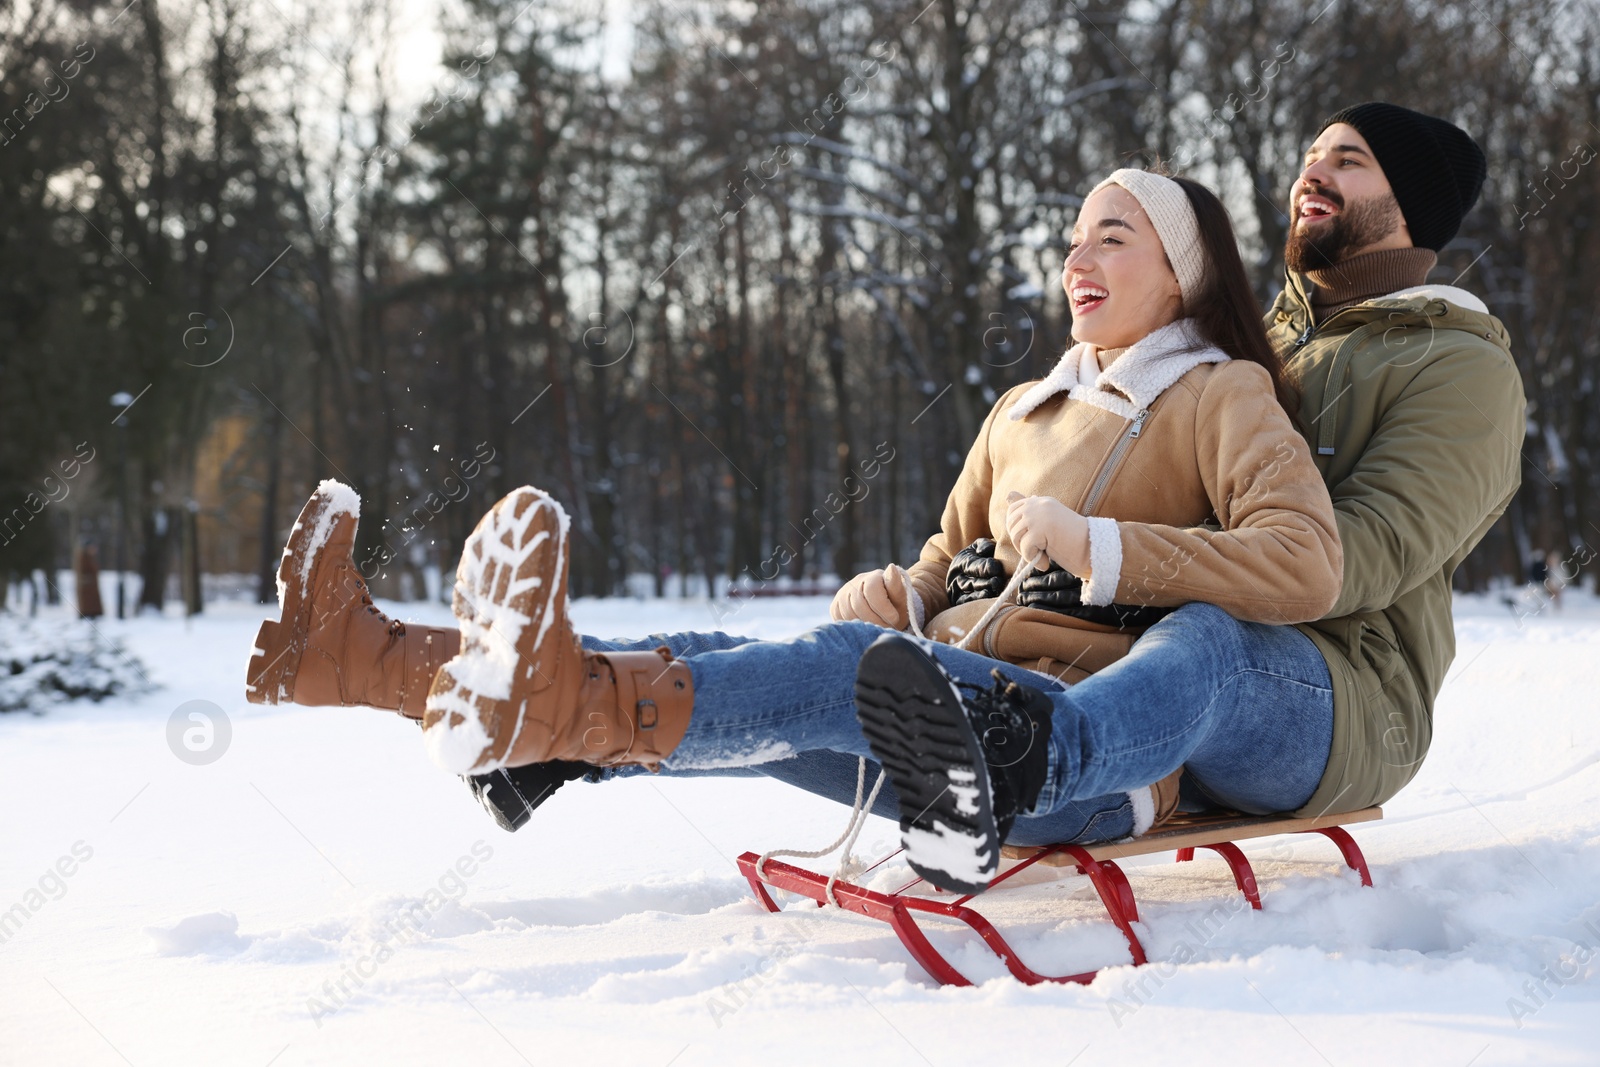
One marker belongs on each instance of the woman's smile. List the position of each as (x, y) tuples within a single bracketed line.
[(1087, 297)]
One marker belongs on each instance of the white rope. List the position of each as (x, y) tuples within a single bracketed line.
[(913, 601), (858, 819), (859, 810), (1007, 595)]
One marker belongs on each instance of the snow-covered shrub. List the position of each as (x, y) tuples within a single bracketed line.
[(49, 662)]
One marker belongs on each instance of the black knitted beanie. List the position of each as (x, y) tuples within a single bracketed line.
[(1434, 168)]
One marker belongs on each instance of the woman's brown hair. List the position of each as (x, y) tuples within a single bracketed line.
[(1225, 310)]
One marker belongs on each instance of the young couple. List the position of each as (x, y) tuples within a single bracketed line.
[(1202, 552)]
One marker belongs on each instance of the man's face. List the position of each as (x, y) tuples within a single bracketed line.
[(1341, 205)]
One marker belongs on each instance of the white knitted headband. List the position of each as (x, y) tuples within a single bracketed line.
[(1173, 217)]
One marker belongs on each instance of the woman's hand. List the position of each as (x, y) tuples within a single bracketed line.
[(872, 597), (1043, 525)]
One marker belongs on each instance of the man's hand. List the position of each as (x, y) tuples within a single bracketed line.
[(1045, 529), (1053, 589), (974, 573), (872, 597)]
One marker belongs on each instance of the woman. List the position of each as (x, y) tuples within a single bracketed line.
[(1166, 414)]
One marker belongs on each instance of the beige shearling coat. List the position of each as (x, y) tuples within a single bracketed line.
[(1172, 436)]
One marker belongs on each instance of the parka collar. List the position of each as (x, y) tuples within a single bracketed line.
[(1435, 306)]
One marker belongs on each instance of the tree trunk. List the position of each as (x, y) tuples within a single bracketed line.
[(155, 557), (267, 561)]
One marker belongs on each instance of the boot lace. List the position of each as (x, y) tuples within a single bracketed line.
[(395, 626), (999, 714)]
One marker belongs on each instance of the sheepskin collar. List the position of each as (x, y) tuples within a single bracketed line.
[(1131, 384)]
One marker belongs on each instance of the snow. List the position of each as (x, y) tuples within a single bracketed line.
[(765, 752), (323, 894), (49, 661), (487, 663), (955, 852), (212, 933), (341, 500), (964, 787)]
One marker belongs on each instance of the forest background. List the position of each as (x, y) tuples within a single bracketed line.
[(736, 282)]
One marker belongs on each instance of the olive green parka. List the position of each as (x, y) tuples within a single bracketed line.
[(1414, 412)]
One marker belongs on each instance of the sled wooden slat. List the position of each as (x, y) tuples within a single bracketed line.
[(1198, 831)]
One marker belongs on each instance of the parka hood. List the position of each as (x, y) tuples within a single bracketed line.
[(1439, 306)]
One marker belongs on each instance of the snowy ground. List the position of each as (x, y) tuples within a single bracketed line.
[(213, 911)]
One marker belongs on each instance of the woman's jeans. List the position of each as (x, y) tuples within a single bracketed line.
[(1245, 708)]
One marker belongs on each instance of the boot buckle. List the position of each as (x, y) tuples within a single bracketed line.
[(646, 714)]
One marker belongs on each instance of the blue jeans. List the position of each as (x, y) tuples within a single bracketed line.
[(1245, 708)]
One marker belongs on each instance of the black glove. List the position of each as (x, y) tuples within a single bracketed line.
[(1060, 590), (1055, 589), (974, 573)]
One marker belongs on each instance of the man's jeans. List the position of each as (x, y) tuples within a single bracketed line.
[(1245, 708)]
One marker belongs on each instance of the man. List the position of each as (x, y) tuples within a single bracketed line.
[(1412, 408)]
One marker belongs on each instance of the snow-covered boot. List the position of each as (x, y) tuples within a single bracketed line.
[(523, 689), (964, 759), (510, 794), (330, 644)]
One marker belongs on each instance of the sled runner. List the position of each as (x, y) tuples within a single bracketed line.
[(1183, 834)]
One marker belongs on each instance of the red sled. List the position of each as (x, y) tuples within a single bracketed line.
[(1183, 834)]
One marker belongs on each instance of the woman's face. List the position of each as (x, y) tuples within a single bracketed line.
[(1117, 279)]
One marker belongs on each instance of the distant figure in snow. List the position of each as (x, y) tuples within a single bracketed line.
[(1552, 579), (86, 579)]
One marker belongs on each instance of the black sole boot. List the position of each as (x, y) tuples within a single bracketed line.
[(963, 766), (511, 793), (912, 717)]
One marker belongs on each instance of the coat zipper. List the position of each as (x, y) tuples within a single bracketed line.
[(1124, 443), (1325, 446), (1312, 328), (1099, 487)]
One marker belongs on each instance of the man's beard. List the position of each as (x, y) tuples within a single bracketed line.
[(1357, 225)]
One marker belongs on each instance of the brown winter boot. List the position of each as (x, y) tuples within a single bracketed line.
[(522, 689), (1163, 803), (331, 645)]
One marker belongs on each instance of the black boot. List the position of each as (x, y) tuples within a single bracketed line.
[(965, 760), (511, 793)]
